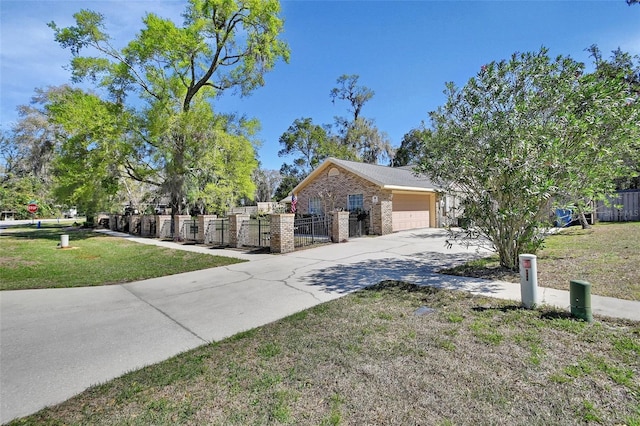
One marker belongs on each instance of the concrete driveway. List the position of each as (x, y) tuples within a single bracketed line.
[(56, 343)]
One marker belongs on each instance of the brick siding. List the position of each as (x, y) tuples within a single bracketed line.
[(333, 188)]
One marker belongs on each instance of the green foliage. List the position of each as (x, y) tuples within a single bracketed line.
[(359, 136), (410, 150), (17, 192), (86, 168), (309, 142), (26, 152), (176, 72), (291, 176), (525, 132), (220, 153)]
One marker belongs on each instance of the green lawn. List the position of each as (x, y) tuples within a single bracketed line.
[(607, 255), (368, 358), (30, 258)]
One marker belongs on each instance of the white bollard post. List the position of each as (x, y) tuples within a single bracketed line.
[(529, 280), (64, 241)]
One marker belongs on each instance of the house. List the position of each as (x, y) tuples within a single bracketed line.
[(395, 198)]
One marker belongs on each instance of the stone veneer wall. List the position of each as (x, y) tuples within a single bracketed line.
[(340, 225), (334, 188)]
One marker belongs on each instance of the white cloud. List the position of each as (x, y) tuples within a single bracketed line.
[(29, 55)]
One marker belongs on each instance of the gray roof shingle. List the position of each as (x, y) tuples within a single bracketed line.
[(387, 176)]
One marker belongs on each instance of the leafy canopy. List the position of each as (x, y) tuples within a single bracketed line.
[(167, 71), (525, 133)]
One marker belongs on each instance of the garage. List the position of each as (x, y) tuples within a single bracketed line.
[(395, 198), (410, 211)]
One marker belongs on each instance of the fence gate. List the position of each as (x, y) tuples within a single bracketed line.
[(312, 230), (189, 231), (217, 232), (358, 224), (256, 233)]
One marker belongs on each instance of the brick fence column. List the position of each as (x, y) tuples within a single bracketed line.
[(282, 239), (203, 222), (179, 220), (382, 217), (340, 227), (235, 229)]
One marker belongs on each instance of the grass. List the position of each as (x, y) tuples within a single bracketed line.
[(30, 258), (368, 358), (607, 256)]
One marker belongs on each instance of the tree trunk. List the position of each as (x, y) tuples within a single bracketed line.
[(583, 220)]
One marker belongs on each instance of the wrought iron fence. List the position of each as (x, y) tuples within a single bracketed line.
[(358, 224), (312, 230), (189, 231), (217, 232), (256, 233)]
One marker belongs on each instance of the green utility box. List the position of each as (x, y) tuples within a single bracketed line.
[(580, 294)]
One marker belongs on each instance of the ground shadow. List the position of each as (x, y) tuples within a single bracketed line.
[(347, 278), (439, 260), (439, 234)]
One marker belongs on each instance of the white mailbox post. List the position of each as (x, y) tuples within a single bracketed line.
[(529, 280)]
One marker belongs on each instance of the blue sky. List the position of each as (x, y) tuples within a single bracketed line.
[(404, 50)]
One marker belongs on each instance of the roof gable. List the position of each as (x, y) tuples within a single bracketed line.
[(399, 178)]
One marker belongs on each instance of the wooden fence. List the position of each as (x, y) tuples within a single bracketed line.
[(625, 207)]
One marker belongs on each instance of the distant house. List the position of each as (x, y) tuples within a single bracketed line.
[(395, 198)]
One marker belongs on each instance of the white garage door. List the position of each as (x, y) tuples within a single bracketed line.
[(410, 211)]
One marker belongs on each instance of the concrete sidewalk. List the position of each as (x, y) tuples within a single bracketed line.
[(55, 343)]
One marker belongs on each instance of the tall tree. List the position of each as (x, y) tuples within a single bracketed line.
[(169, 70), (267, 181), (359, 135), (26, 154), (87, 164), (291, 177), (349, 90), (309, 143), (411, 147), (522, 134), (601, 131)]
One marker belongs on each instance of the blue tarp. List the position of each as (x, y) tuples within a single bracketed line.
[(563, 217)]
